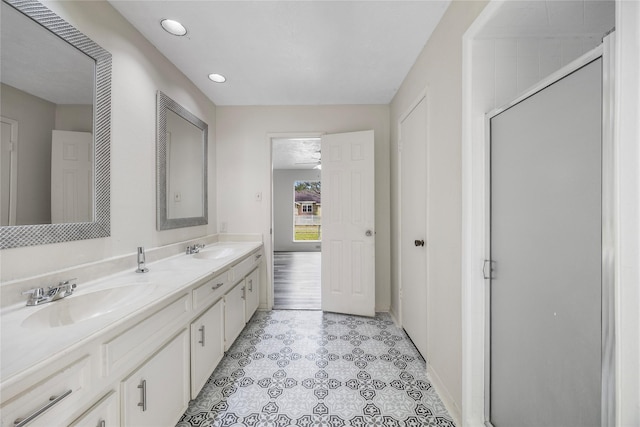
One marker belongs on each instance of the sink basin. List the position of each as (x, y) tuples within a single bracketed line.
[(78, 308), (217, 253)]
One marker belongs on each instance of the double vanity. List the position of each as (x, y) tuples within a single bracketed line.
[(129, 349)]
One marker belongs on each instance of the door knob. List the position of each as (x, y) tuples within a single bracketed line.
[(419, 242), (368, 233)]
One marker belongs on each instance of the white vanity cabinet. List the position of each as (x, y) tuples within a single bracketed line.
[(157, 393), (207, 345), (234, 301), (252, 286), (141, 369), (105, 413)]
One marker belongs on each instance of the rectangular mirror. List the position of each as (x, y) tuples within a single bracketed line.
[(181, 147), (55, 115)]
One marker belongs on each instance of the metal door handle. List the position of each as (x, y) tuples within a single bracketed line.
[(143, 391), (491, 264), (244, 292), (102, 423), (250, 285), (418, 242)]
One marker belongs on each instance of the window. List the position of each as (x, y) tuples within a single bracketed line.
[(307, 220)]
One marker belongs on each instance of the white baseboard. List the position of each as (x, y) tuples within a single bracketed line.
[(395, 317), (445, 396)]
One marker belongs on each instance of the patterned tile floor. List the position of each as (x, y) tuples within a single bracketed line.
[(309, 368)]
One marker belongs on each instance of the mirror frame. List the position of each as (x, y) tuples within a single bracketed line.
[(40, 234), (165, 103)]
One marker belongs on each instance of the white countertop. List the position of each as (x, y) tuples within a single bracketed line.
[(26, 341)]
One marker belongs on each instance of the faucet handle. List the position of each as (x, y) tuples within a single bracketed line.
[(35, 293)]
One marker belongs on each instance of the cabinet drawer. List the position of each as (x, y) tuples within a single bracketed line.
[(205, 294), (105, 413), (50, 401), (246, 265), (117, 351)]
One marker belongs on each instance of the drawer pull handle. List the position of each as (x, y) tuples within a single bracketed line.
[(250, 285), (217, 285), (143, 390), (201, 329), (53, 400), (258, 257)]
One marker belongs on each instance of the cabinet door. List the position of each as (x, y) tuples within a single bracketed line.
[(207, 345), (105, 413), (234, 322), (253, 294), (158, 392)]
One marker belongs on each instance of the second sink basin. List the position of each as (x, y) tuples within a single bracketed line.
[(217, 253), (78, 308)]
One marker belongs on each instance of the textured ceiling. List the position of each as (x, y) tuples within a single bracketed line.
[(296, 153), (291, 52)]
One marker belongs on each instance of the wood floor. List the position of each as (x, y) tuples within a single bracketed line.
[(296, 280)]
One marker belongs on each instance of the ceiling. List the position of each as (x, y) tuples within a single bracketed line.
[(291, 52), (296, 153)]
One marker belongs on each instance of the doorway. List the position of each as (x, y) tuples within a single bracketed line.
[(545, 342), (297, 223), (413, 225)]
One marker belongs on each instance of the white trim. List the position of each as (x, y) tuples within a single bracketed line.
[(442, 391), (13, 178), (627, 183)]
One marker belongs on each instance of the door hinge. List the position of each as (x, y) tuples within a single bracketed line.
[(488, 273)]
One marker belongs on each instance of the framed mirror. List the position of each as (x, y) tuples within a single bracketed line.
[(181, 147), (55, 84)]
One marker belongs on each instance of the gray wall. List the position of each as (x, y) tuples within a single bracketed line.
[(283, 180), (35, 118)]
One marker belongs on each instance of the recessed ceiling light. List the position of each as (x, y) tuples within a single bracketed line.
[(173, 27), (218, 78)]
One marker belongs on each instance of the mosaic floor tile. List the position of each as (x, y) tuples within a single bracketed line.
[(309, 368)]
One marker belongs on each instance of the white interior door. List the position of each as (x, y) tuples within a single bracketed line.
[(546, 227), (348, 220), (413, 225), (71, 177), (8, 171)]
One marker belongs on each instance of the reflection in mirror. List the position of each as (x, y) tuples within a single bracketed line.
[(55, 114), (182, 166)]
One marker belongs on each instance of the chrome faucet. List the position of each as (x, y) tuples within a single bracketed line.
[(195, 248), (141, 259), (53, 293)]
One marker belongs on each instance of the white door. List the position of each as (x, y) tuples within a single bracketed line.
[(546, 226), (8, 171), (348, 234), (413, 226), (71, 177)]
